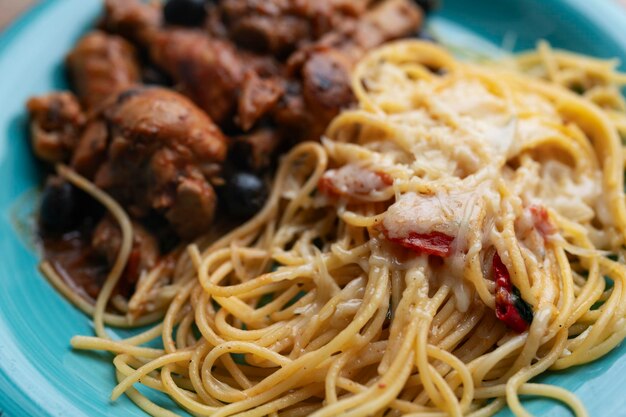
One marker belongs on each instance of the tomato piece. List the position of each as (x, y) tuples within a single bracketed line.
[(385, 178), (542, 221), (327, 186), (433, 243), (511, 308)]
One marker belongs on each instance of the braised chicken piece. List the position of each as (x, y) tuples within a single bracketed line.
[(279, 27), (101, 65), (133, 20), (276, 35), (385, 21), (293, 116), (107, 241), (269, 73), (326, 86), (161, 153), (240, 88), (231, 86), (257, 98), (56, 120), (325, 66), (91, 149), (319, 86), (208, 70), (254, 150)]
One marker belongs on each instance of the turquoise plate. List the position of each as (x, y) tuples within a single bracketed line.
[(39, 374)]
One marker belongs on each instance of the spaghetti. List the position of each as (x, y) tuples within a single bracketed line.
[(458, 234)]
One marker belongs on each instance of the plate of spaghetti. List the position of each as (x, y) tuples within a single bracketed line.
[(313, 208)]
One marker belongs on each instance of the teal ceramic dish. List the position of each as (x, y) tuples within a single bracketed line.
[(40, 375)]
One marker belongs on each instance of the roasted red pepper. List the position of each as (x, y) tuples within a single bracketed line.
[(433, 243), (511, 308)]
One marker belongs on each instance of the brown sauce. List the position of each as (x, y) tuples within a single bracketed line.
[(76, 263)]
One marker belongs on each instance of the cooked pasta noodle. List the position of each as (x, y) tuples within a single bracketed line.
[(456, 235)]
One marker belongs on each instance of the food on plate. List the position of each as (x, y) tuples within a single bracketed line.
[(457, 233), (437, 232), (101, 65), (179, 112)]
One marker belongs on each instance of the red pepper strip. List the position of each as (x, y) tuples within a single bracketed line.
[(511, 309), (433, 243)]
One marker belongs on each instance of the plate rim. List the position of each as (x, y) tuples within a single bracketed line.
[(605, 14), (21, 22)]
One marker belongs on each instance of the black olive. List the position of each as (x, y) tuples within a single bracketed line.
[(185, 12), (59, 207), (241, 155), (243, 194), (427, 5), (152, 75)]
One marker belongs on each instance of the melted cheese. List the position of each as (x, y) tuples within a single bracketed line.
[(423, 214), (466, 152), (576, 197), (354, 179)]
